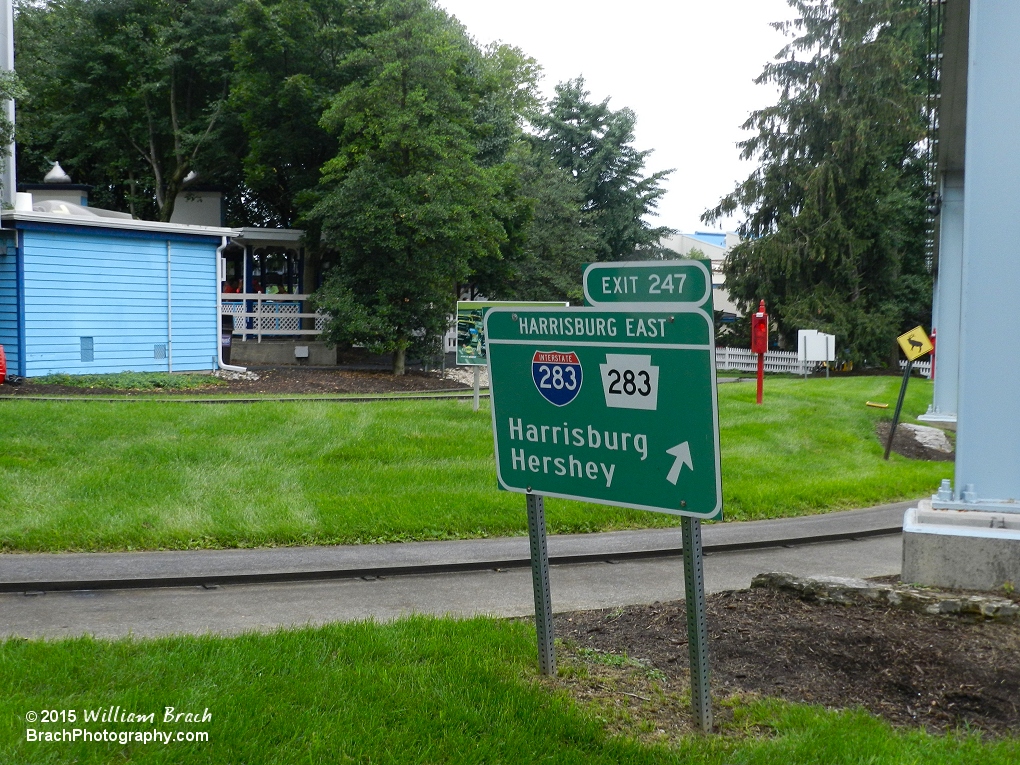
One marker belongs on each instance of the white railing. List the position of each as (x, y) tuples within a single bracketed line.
[(743, 360), (924, 367), (256, 314)]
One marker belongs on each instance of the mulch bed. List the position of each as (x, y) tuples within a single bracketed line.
[(937, 672), (280, 380)]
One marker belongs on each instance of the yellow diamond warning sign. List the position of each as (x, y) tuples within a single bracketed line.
[(915, 343)]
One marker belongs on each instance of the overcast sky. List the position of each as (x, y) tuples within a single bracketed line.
[(686, 68)]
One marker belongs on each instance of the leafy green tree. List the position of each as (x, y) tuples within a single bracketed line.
[(595, 145), (287, 69), (10, 90), (507, 97), (128, 94), (834, 235), (557, 240), (406, 204)]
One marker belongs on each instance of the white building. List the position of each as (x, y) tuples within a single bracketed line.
[(715, 245)]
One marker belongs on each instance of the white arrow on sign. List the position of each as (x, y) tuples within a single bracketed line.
[(682, 452)]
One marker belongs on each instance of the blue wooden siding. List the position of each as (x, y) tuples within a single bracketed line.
[(113, 289), (9, 309), (194, 305)]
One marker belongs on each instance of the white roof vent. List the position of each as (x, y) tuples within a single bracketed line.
[(57, 207), (56, 175)]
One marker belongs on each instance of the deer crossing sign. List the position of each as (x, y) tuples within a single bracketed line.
[(915, 343)]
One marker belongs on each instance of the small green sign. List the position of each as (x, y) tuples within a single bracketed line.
[(471, 328), (607, 406), (661, 281)]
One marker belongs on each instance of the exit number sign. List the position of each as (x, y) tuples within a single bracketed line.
[(668, 281)]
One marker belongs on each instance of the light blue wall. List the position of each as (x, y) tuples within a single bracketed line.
[(9, 309), (988, 422), (113, 288), (194, 304)]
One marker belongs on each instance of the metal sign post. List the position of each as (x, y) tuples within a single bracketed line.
[(477, 388), (899, 408), (614, 404), (540, 582), (697, 630)]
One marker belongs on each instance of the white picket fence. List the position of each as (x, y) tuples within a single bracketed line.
[(743, 360), (924, 367)]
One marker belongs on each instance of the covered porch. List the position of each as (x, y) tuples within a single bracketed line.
[(268, 282)]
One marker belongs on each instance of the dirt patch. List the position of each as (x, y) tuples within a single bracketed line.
[(280, 380), (905, 444), (938, 672)]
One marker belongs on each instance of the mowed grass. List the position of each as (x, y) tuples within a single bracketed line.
[(421, 690), (93, 475), (811, 446), (133, 381)]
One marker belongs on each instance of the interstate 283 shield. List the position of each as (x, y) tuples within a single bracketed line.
[(557, 376)]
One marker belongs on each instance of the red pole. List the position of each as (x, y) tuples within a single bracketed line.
[(761, 374), (760, 342)]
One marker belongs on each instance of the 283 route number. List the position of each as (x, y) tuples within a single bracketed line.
[(557, 377), (627, 382)]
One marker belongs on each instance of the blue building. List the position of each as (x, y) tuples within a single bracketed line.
[(89, 291)]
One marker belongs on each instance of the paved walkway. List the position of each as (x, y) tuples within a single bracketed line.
[(620, 573), (66, 571)]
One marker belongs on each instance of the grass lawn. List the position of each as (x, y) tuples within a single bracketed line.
[(133, 381), (140, 475), (421, 690)]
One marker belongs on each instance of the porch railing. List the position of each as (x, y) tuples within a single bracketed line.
[(257, 315)]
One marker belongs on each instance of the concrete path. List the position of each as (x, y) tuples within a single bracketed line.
[(495, 590), (72, 571)]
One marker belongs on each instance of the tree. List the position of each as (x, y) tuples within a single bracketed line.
[(10, 90), (507, 97), (405, 205), (129, 94), (595, 145), (287, 68), (834, 237), (557, 240)]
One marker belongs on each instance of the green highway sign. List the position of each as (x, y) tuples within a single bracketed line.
[(610, 406), (471, 328), (662, 281)]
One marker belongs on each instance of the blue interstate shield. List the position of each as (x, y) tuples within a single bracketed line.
[(557, 376)]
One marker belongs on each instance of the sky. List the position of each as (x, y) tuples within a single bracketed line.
[(685, 68)]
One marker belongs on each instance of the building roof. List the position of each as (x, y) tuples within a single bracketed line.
[(715, 238), (122, 224), (270, 237)]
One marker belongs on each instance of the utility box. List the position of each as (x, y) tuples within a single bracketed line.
[(760, 330)]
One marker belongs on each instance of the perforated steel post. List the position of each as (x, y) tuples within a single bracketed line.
[(697, 630), (540, 580)]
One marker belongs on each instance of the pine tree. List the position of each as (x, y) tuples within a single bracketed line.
[(834, 235), (595, 145)]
